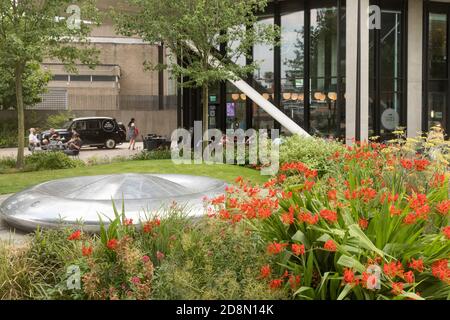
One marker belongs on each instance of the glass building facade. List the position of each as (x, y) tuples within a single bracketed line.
[(396, 75)]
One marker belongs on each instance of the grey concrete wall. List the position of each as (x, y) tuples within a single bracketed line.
[(415, 63)]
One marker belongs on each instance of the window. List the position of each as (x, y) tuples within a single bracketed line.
[(60, 77), (292, 62), (80, 78), (79, 126), (386, 99), (93, 124), (104, 78)]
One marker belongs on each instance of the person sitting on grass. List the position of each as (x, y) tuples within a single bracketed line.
[(73, 146)]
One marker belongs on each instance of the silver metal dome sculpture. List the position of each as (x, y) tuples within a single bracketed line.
[(83, 199)]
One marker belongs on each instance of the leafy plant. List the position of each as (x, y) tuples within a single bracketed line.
[(50, 161), (374, 227)]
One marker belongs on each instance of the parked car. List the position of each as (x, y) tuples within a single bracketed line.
[(101, 132)]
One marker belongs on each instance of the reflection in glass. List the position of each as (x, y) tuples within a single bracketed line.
[(386, 71), (437, 66), (292, 66), (235, 108), (263, 54), (323, 71)]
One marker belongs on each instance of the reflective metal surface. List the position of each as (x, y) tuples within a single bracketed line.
[(83, 199)]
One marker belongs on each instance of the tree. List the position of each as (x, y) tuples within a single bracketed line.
[(34, 30), (195, 30), (34, 84)]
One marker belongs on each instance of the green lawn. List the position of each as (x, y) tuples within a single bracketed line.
[(14, 182)]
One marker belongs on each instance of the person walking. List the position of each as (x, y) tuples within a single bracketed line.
[(132, 133)]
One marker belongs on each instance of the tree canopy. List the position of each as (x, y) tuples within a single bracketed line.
[(195, 30), (34, 30)]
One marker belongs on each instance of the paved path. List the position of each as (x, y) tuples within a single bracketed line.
[(86, 153), (8, 233)]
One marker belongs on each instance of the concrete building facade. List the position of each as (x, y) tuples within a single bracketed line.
[(345, 68)]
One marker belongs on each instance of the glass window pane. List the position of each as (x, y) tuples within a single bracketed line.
[(263, 54), (323, 71), (437, 46), (292, 65)]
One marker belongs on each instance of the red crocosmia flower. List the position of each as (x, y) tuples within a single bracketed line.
[(294, 281), (349, 276), (411, 218), (148, 226), (281, 178), (86, 251), (416, 265), (392, 197), (363, 223), (308, 218), (446, 232), (443, 207), (160, 255), (397, 288), (394, 211), (309, 184), (112, 244), (329, 215), (135, 280), (275, 247), (239, 179), (409, 276), (287, 218), (218, 200), (286, 195), (421, 164), (332, 195), (440, 270), (76, 235), (276, 283), (236, 218), (438, 180), (224, 214), (298, 249), (265, 271), (406, 163), (330, 245), (127, 222), (393, 269)]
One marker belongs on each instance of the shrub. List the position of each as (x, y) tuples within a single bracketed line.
[(213, 260), (314, 152), (8, 135), (50, 161), (159, 154), (7, 163), (375, 228), (59, 119)]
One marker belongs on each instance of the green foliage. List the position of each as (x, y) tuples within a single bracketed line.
[(7, 163), (313, 152), (34, 84), (31, 33), (58, 120), (153, 155), (50, 161), (373, 210), (8, 135), (213, 260)]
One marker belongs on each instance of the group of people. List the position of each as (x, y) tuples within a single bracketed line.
[(54, 142)]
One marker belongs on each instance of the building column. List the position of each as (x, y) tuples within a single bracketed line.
[(414, 68), (357, 71)]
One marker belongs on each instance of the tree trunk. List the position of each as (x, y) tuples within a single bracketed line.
[(205, 108), (18, 73)]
